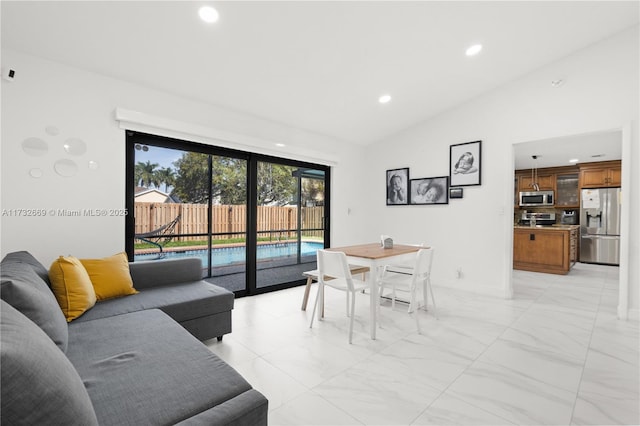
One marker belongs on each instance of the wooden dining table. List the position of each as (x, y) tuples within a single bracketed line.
[(375, 256)]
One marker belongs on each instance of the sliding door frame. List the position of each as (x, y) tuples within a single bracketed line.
[(133, 138)]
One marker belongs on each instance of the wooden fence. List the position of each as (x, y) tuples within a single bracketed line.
[(227, 219)]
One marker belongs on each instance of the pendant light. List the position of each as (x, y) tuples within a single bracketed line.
[(534, 174)]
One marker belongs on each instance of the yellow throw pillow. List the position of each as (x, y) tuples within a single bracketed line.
[(72, 287), (110, 276)]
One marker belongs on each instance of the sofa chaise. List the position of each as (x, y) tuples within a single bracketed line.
[(134, 360)]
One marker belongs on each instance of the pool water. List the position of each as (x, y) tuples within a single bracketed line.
[(224, 256)]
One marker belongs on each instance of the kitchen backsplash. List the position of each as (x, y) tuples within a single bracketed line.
[(517, 213)]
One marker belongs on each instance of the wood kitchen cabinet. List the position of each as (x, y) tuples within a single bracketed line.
[(600, 175), (567, 181), (546, 183), (547, 249)]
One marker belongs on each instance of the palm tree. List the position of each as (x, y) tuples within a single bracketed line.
[(166, 176), (145, 174)]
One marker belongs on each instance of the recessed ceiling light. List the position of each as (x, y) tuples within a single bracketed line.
[(208, 14), (474, 50), (574, 160), (384, 99), (280, 145)]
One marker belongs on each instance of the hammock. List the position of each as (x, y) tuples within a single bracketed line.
[(160, 236)]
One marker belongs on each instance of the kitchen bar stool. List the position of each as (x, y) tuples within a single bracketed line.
[(313, 276)]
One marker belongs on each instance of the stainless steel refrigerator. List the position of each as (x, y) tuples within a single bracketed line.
[(600, 226)]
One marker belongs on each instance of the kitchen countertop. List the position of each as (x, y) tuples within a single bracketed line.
[(557, 227)]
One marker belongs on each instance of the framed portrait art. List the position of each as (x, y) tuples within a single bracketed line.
[(465, 164), (398, 187), (432, 190)]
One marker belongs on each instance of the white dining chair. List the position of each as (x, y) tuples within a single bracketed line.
[(406, 267), (312, 276), (334, 272), (412, 280)]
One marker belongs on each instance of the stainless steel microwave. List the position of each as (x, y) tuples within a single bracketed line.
[(536, 198)]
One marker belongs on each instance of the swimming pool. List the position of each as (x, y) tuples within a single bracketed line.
[(224, 256)]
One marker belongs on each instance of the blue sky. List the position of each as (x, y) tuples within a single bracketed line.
[(162, 156)]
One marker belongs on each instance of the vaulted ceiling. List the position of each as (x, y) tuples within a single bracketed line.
[(318, 66)]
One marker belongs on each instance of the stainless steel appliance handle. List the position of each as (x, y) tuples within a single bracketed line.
[(602, 237)]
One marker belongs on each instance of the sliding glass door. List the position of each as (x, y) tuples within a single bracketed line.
[(228, 222), (189, 203), (290, 221), (254, 221)]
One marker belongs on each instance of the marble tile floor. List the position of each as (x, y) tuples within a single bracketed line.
[(555, 355)]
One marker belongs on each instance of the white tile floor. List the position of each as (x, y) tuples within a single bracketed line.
[(555, 354)]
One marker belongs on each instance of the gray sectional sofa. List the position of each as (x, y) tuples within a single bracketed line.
[(126, 361)]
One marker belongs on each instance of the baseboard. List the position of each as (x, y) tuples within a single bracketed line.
[(470, 287), (632, 314)]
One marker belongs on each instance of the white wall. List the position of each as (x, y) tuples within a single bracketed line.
[(82, 105), (601, 93)]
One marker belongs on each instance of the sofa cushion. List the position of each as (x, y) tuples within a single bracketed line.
[(181, 302), (249, 408), (143, 368), (22, 288), (39, 384), (26, 257), (72, 286), (110, 276), (152, 273)]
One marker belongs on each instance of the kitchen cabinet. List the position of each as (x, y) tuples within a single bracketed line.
[(548, 249), (546, 183), (567, 190), (600, 175)]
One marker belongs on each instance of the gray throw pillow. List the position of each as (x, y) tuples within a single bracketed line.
[(23, 289), (39, 384), (26, 257)]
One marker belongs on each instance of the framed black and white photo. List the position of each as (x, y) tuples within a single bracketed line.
[(398, 187), (433, 190), (464, 164), (455, 192)]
